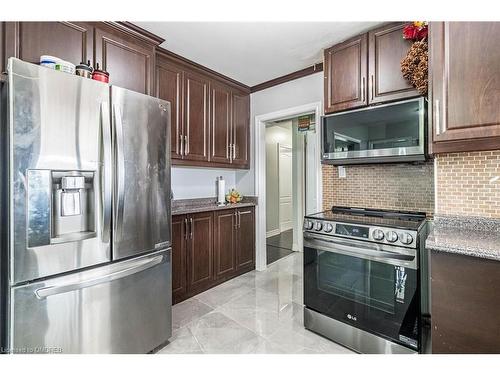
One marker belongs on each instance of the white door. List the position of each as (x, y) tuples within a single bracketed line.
[(285, 187)]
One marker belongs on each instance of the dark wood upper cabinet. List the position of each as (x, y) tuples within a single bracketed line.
[(387, 48), (2, 47), (169, 86), (220, 122), (179, 259), (122, 50), (128, 59), (241, 129), (71, 41), (196, 117), (464, 310), (225, 242), (345, 70), (200, 251), (245, 238), (464, 86)]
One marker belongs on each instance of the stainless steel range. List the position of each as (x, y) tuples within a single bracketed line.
[(363, 284)]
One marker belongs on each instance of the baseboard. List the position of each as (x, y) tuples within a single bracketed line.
[(273, 232), (284, 228)]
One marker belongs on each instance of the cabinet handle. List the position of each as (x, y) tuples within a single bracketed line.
[(186, 145), (363, 89), (437, 117), (191, 228), (373, 87), (235, 219), (239, 219), (186, 229), (182, 144)]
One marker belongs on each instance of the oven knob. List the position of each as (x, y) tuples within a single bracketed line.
[(378, 235), (405, 238), (318, 226), (328, 228), (391, 236), (308, 224)]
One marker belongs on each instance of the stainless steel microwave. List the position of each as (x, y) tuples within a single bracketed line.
[(387, 133)]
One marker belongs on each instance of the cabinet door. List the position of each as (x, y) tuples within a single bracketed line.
[(245, 239), (179, 261), (70, 41), (241, 129), (220, 119), (169, 80), (200, 252), (128, 60), (386, 50), (196, 121), (465, 86), (464, 310), (345, 74), (224, 244)]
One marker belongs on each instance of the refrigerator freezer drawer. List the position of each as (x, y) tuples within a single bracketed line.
[(118, 308)]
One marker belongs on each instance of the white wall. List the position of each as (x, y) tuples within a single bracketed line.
[(290, 94), (189, 182)]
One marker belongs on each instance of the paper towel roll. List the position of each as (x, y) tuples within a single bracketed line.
[(221, 189)]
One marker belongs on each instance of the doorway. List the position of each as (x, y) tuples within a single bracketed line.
[(310, 180), (279, 189)]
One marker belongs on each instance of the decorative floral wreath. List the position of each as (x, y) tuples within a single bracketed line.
[(415, 65)]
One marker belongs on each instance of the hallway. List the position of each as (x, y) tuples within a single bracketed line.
[(279, 246)]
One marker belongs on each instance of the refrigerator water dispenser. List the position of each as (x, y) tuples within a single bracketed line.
[(73, 206), (61, 206)]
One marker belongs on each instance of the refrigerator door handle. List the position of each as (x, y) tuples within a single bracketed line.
[(139, 266), (106, 180), (119, 168)]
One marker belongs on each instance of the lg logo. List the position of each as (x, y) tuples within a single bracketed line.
[(351, 317)]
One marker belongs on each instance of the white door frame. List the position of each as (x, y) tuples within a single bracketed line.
[(260, 171)]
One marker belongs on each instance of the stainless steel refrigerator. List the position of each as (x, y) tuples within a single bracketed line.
[(85, 215)]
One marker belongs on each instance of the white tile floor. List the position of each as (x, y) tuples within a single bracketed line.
[(259, 312)]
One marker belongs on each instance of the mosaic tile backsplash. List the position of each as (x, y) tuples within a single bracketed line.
[(468, 184), (383, 186)]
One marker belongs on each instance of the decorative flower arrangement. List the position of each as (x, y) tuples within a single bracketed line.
[(415, 65), (234, 196), (416, 31)]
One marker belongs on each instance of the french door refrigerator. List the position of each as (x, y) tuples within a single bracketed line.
[(85, 215)]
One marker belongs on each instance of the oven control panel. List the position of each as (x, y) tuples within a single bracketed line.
[(399, 237)]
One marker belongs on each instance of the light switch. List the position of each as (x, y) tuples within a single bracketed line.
[(341, 171)]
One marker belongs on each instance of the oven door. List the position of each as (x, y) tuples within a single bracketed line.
[(369, 286)]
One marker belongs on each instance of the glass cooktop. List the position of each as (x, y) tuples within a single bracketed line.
[(385, 218)]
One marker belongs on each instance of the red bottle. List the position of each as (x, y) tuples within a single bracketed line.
[(100, 75)]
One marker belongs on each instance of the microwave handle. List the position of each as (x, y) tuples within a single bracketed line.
[(437, 116)]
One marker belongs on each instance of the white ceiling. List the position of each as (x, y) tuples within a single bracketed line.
[(254, 52)]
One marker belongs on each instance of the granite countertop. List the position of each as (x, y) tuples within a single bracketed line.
[(472, 236), (189, 206)]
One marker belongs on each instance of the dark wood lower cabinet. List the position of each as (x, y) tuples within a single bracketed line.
[(209, 248), (225, 241), (179, 265), (465, 295), (200, 252), (245, 239)]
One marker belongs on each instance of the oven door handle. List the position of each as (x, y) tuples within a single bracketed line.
[(360, 251)]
